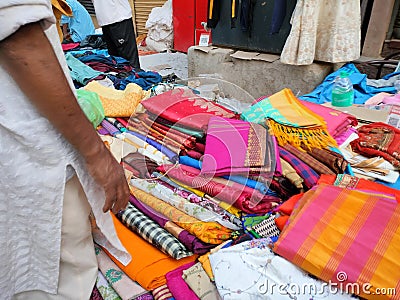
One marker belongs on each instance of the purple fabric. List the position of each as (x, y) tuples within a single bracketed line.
[(177, 286), (191, 242), (147, 296)]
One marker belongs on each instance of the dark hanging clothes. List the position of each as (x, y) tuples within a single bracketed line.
[(234, 13), (278, 15), (246, 15), (213, 13)]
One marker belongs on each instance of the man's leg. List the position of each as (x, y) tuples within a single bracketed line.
[(78, 263)]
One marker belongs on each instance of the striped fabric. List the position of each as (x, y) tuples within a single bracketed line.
[(347, 237), (153, 233), (162, 293), (309, 176)]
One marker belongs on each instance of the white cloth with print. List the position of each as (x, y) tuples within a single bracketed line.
[(250, 270)]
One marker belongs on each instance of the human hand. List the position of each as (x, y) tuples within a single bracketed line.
[(109, 174)]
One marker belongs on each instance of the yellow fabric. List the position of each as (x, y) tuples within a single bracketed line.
[(118, 103), (60, 7), (291, 174), (208, 232)]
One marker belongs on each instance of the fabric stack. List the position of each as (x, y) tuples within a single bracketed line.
[(250, 204)]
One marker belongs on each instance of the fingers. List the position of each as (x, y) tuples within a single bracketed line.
[(122, 198), (117, 196)]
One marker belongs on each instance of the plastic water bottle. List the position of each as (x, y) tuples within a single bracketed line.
[(342, 91)]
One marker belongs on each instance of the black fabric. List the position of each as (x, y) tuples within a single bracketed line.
[(215, 13), (121, 41), (94, 41)]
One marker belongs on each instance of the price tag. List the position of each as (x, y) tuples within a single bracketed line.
[(204, 39), (394, 116)]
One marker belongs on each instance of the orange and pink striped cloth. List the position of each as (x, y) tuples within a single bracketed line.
[(346, 237)]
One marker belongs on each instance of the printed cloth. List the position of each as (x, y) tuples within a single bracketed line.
[(290, 121), (234, 222), (178, 287), (352, 182), (240, 196), (183, 107), (237, 147), (190, 241), (309, 176), (153, 233), (378, 139), (169, 196), (118, 103), (150, 264), (95, 295), (208, 232), (345, 236), (105, 289), (315, 164), (125, 287), (198, 280), (251, 270)]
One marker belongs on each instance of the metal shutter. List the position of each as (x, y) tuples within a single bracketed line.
[(89, 6), (142, 11)]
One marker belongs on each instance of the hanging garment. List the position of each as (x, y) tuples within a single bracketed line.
[(323, 30), (278, 15), (213, 13), (246, 15)]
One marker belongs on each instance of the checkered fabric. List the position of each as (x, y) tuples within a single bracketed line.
[(153, 233)]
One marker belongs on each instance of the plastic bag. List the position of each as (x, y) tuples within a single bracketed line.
[(91, 105)]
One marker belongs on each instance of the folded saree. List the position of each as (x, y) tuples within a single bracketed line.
[(190, 241), (290, 121), (125, 287), (335, 161), (237, 147), (352, 182), (315, 164), (183, 107), (379, 139), (199, 200), (149, 265), (242, 197), (208, 232), (309, 176), (150, 231), (157, 189), (337, 121), (178, 287), (347, 237)]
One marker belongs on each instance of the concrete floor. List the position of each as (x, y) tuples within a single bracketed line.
[(166, 63)]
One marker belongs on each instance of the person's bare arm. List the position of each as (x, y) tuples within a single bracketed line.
[(29, 58)]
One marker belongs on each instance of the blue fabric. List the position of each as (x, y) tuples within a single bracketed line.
[(80, 24), (144, 79), (79, 71), (102, 52), (362, 91), (189, 161), (114, 61), (395, 185), (173, 157)]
